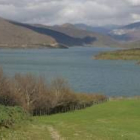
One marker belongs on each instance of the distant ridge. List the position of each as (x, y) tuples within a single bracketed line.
[(129, 33), (58, 36), (89, 37), (15, 34), (135, 25)]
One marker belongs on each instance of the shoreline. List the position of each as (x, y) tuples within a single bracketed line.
[(123, 98), (127, 55), (34, 46)]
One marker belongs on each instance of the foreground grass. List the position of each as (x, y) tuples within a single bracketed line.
[(114, 120), (131, 54)]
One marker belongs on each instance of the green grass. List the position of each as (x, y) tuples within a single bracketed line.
[(130, 54), (10, 116), (114, 120)]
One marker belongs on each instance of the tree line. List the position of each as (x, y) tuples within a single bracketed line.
[(38, 97)]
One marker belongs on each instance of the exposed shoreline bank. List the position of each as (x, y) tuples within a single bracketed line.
[(128, 54), (33, 46)]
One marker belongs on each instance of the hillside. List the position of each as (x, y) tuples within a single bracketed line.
[(135, 25), (130, 32), (98, 29), (16, 36), (131, 44), (59, 37), (89, 37), (114, 120)]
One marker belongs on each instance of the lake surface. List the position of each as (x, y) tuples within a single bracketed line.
[(77, 66)]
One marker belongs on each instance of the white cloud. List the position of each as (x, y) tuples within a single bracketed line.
[(97, 12), (136, 17), (134, 2)]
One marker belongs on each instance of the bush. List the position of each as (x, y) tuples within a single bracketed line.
[(38, 98), (11, 115), (7, 94)]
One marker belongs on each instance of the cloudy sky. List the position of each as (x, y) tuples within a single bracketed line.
[(92, 12)]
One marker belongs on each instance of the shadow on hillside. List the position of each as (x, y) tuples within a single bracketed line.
[(59, 37)]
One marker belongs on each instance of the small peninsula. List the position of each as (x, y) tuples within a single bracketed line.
[(129, 54)]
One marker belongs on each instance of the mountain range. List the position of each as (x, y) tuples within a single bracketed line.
[(130, 32), (126, 35), (16, 34)]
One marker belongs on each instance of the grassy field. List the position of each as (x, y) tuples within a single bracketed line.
[(114, 120), (130, 54)]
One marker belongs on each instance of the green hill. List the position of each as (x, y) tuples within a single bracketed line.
[(114, 120)]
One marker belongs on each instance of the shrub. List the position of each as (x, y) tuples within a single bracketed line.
[(38, 98), (7, 95), (11, 115)]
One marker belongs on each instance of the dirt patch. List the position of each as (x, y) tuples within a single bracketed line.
[(54, 133)]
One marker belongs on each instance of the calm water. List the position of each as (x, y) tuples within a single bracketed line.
[(113, 78)]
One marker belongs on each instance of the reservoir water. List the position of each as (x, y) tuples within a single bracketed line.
[(77, 66)]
